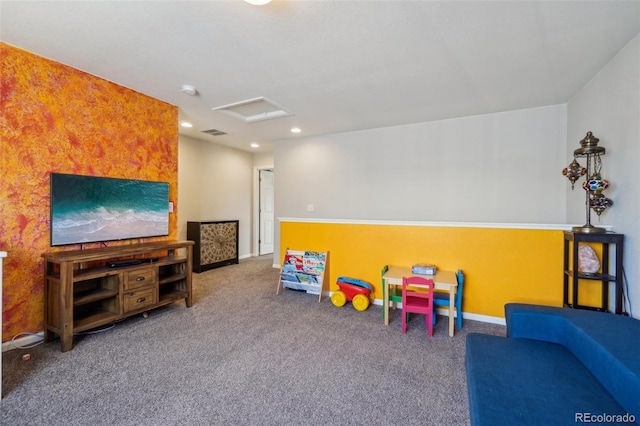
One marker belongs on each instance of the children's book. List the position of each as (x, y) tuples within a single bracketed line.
[(292, 263), (289, 277), (307, 278), (313, 262)]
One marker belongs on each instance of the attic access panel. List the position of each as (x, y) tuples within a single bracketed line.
[(252, 110)]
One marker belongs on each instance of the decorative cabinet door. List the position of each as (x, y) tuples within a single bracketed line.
[(216, 243)]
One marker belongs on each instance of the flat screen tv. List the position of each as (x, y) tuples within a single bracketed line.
[(86, 209)]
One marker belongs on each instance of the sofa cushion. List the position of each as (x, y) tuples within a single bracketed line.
[(608, 345), (530, 382)]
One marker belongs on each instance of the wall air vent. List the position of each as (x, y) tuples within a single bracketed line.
[(214, 132), (252, 110)]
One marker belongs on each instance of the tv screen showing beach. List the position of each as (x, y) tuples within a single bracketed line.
[(87, 209)]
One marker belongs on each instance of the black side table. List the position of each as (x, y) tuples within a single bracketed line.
[(572, 275)]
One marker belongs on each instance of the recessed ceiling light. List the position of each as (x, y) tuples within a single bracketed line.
[(186, 124), (295, 130), (255, 145), (258, 2)]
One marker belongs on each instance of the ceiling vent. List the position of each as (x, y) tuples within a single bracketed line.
[(252, 110), (214, 132)]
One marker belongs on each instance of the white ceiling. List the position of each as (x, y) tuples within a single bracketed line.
[(338, 66)]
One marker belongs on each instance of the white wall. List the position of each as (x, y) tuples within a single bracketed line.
[(609, 106), (503, 167), (215, 183), (189, 183), (263, 160)]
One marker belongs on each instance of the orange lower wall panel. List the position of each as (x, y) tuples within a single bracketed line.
[(500, 265)]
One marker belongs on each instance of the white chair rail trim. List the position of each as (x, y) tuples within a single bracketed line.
[(541, 226)]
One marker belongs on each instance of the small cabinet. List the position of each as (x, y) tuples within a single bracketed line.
[(608, 276), (216, 243)]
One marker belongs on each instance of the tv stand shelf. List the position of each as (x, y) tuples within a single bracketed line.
[(82, 292)]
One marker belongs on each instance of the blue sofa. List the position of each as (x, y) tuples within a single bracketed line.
[(557, 366)]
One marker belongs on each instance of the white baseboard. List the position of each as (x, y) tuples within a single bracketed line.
[(445, 312), (484, 318), (20, 342)]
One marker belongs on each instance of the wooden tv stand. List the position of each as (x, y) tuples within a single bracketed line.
[(83, 292)]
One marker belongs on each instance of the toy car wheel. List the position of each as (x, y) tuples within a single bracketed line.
[(360, 302), (338, 298)]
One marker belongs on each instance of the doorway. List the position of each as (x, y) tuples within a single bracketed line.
[(265, 212)]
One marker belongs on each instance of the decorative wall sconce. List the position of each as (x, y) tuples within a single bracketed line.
[(593, 184)]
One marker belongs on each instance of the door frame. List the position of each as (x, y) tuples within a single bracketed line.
[(256, 210)]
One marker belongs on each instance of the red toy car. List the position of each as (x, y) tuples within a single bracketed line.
[(353, 290)]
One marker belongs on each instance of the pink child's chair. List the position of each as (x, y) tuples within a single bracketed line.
[(418, 302)]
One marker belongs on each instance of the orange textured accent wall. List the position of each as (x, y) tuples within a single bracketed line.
[(58, 119)]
